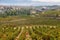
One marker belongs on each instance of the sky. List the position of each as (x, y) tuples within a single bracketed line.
[(30, 2)]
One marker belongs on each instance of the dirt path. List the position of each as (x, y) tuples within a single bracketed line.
[(14, 20), (19, 34), (28, 37)]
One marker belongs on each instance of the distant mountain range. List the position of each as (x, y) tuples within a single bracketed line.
[(31, 3)]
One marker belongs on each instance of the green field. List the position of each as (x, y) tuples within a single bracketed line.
[(28, 27), (32, 32)]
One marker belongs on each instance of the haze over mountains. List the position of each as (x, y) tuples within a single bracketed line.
[(30, 2)]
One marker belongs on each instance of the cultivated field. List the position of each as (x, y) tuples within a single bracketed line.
[(41, 27)]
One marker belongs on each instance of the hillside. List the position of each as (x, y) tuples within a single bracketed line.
[(43, 25)]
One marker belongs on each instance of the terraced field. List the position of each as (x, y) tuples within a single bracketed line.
[(42, 27), (32, 32)]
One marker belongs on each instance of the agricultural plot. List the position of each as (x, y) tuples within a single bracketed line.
[(33, 32), (9, 33), (42, 27)]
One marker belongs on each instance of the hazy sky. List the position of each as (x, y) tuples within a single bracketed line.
[(29, 2), (47, 0)]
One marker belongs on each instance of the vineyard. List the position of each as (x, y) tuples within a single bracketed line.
[(42, 27), (32, 32)]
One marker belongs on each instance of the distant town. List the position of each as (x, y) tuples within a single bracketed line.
[(25, 10), (35, 8)]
